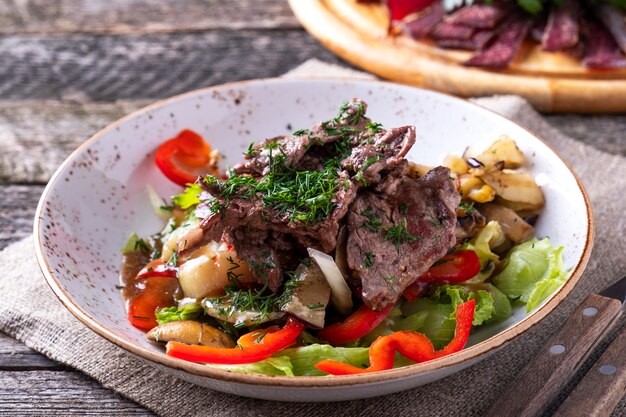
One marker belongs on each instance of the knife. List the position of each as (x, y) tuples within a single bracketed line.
[(541, 380)]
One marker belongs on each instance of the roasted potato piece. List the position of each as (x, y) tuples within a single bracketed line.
[(515, 186), (456, 164), (207, 272), (513, 225), (503, 150), (192, 333)]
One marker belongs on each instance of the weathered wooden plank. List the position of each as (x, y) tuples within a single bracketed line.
[(15, 356), (107, 68), (36, 136), (140, 16), (60, 393), (17, 208)]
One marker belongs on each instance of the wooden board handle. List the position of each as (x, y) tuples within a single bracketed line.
[(603, 386), (557, 361)]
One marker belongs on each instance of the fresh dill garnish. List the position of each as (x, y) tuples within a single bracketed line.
[(468, 208), (391, 279), (404, 208), (373, 223), (170, 207), (369, 161), (368, 260), (173, 261), (374, 127), (316, 306), (233, 278), (250, 152), (301, 132), (142, 246), (259, 338), (436, 223), (399, 235), (306, 196)]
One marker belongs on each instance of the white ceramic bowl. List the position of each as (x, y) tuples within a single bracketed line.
[(98, 197)]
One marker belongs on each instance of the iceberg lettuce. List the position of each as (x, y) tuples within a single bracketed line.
[(532, 271)]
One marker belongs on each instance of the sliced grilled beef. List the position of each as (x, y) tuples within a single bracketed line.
[(600, 51), (501, 50), (394, 238), (479, 16), (426, 21), (351, 119), (562, 29)]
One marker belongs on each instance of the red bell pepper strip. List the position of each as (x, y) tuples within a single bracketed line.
[(260, 349), (360, 323), (189, 149), (154, 293), (399, 9), (157, 268), (452, 269), (415, 346)]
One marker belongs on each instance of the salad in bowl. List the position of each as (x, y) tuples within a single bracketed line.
[(327, 252)]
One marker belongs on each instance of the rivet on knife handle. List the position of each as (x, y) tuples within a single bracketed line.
[(602, 387), (544, 377)]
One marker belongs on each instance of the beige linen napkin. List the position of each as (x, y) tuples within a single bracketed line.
[(30, 312)]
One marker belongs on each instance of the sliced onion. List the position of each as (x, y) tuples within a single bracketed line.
[(157, 203), (340, 294)]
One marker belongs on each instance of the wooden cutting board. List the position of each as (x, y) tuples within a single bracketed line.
[(553, 82)]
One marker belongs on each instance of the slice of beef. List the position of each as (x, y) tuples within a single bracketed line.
[(600, 50), (478, 40), (251, 213), (293, 148), (502, 49), (426, 21), (446, 30), (263, 260), (385, 152), (479, 16), (425, 209), (614, 20), (562, 29)]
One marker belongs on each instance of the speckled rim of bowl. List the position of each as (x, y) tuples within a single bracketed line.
[(473, 352)]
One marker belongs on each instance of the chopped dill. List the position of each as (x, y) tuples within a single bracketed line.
[(250, 152), (373, 223), (173, 261), (399, 235), (404, 208), (468, 208), (368, 260), (374, 127)]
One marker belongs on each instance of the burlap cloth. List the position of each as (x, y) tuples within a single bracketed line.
[(30, 312)]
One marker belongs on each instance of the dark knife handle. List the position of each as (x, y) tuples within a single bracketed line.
[(540, 381), (603, 386)]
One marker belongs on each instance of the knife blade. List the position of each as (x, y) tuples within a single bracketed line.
[(541, 380)]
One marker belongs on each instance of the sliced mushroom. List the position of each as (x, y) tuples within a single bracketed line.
[(513, 225), (190, 332), (222, 309), (310, 294)]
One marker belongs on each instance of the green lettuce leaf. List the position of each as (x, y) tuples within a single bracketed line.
[(277, 366), (490, 236), (459, 294), (301, 361), (186, 312), (438, 324), (532, 271), (189, 197)]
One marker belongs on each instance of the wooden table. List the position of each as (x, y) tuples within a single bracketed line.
[(69, 67)]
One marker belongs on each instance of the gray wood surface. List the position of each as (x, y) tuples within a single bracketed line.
[(70, 67)]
